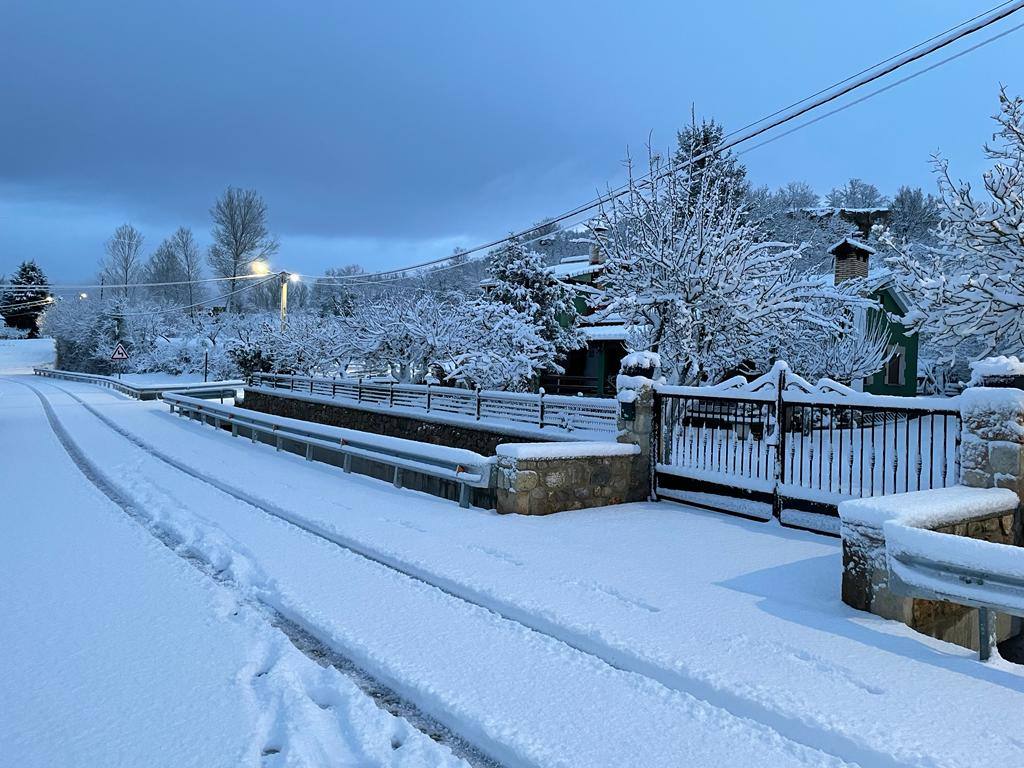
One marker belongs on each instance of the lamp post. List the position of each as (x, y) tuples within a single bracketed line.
[(285, 278)]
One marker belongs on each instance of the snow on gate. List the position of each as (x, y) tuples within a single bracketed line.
[(721, 447)]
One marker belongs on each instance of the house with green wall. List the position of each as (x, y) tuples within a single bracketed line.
[(851, 259)]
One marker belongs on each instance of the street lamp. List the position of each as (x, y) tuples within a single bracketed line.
[(260, 268), (83, 295), (285, 278)]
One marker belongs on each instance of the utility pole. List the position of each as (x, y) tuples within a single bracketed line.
[(284, 277)]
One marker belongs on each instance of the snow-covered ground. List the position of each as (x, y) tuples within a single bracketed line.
[(645, 634), (116, 651), (22, 355)]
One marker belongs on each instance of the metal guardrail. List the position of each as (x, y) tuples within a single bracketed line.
[(215, 389), (468, 469), (983, 584), (565, 412)]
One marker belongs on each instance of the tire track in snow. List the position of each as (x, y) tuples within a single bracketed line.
[(790, 727), (299, 636)]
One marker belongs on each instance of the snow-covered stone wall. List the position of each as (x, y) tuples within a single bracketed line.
[(543, 478)]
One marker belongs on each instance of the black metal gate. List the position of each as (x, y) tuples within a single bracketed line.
[(781, 447)]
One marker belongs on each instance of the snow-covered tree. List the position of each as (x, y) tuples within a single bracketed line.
[(968, 292), (337, 292), (503, 349), (860, 351), (694, 145), (521, 280), (701, 284), (240, 235), (25, 297), (856, 193), (165, 266), (790, 214), (913, 215), (183, 244), (122, 266)]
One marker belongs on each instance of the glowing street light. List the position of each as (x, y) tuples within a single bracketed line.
[(260, 268), (83, 295)]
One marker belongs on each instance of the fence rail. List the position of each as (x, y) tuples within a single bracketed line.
[(564, 412), (213, 389), (784, 444), (467, 469)]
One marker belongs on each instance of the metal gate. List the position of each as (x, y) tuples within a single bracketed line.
[(781, 447)]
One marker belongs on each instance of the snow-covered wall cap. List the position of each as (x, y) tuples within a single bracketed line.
[(649, 360), (929, 509), (1007, 401), (995, 366), (579, 450)]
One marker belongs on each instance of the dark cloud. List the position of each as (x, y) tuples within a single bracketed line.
[(401, 127)]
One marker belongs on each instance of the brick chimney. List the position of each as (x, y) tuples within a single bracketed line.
[(850, 259)]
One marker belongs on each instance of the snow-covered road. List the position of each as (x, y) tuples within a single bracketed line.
[(644, 634), (116, 651)]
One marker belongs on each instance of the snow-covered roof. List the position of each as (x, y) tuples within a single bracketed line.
[(853, 242), (574, 266), (615, 332), (830, 210), (881, 279)]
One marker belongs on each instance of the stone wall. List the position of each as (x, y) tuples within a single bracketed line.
[(865, 583), (538, 484), (379, 422)]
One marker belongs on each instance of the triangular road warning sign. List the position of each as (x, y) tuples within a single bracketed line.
[(120, 353)]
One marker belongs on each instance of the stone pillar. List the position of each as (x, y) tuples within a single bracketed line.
[(636, 416), (992, 447)]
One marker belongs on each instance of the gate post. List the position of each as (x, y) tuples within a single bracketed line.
[(780, 443), (637, 420)]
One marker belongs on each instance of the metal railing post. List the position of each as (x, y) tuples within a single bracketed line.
[(478, 403), (780, 445), (541, 410), (986, 633)]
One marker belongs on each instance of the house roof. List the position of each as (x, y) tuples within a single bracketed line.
[(853, 243), (574, 266), (616, 332)]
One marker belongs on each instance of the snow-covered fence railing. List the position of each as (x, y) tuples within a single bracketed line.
[(212, 389), (722, 446), (953, 545), (565, 412), (465, 468)]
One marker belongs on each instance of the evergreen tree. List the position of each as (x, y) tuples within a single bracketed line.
[(25, 298), (729, 174), (522, 281)]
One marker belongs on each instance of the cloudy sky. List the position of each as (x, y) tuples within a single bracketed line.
[(389, 132)]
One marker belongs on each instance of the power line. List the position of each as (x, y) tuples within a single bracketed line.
[(819, 99), (113, 286), (197, 304), (883, 89)]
